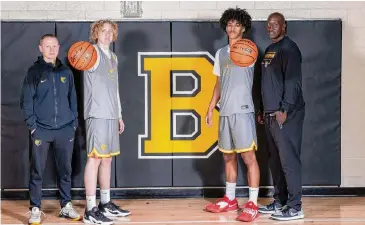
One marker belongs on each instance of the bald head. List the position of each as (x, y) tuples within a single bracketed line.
[(277, 15), (276, 26)]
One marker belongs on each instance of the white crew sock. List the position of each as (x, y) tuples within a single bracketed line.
[(231, 190), (105, 196), (253, 194), (90, 202)]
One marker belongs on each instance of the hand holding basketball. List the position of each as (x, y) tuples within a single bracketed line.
[(243, 52), (82, 55)]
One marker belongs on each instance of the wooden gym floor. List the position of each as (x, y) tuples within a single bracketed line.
[(318, 211)]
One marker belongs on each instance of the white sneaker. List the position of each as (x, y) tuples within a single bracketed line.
[(35, 216), (69, 212)]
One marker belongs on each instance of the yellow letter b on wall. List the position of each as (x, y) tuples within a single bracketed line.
[(178, 89)]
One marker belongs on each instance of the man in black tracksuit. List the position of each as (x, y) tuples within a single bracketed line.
[(48, 101), (283, 115)]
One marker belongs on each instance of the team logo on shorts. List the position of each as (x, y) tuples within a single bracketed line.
[(103, 147), (38, 142), (63, 79)]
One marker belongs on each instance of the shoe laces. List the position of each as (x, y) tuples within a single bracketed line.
[(113, 206), (286, 210), (249, 211), (69, 210), (35, 214), (224, 199), (272, 205), (248, 208), (100, 215)]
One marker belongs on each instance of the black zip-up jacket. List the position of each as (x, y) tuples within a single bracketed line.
[(48, 96), (281, 81)]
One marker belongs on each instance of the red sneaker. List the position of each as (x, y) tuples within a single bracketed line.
[(223, 205), (250, 212)]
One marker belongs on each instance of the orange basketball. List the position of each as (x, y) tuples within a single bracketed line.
[(82, 55), (243, 53)]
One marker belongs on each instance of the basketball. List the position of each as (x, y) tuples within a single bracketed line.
[(82, 55), (243, 53)]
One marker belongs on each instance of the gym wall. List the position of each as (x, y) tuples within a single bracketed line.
[(166, 83), (321, 157)]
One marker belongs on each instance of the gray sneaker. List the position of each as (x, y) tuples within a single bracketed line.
[(35, 216), (69, 212), (288, 214), (271, 208)]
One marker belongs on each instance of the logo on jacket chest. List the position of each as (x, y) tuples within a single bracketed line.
[(63, 79), (269, 56)]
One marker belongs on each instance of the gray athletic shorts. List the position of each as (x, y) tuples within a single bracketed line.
[(237, 133), (102, 137)]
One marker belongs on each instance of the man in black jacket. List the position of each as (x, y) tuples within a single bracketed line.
[(48, 101), (284, 110)]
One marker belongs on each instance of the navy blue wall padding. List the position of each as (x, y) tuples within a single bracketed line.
[(319, 42)]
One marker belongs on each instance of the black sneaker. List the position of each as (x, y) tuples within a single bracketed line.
[(288, 214), (111, 210), (94, 216), (271, 208)]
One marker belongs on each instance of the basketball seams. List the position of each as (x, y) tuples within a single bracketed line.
[(74, 47), (255, 49), (78, 66), (92, 55), (239, 62), (237, 52), (73, 53), (252, 45), (83, 58), (77, 58)]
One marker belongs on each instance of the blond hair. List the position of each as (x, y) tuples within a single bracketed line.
[(97, 26)]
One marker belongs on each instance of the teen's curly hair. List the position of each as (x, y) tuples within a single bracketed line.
[(241, 15), (96, 27)]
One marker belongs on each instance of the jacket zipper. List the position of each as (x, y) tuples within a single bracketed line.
[(55, 99)]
